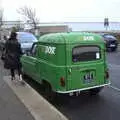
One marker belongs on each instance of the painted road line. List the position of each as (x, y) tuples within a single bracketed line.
[(35, 103), (115, 88)]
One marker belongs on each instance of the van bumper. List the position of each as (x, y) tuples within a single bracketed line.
[(82, 89)]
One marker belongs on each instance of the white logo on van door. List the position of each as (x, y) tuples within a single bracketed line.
[(88, 38), (50, 50)]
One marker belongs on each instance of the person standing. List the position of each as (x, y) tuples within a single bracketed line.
[(13, 53), (5, 38), (3, 48)]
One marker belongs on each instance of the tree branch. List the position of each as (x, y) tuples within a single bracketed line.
[(30, 14)]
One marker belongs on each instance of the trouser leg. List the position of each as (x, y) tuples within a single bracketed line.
[(19, 71), (20, 74), (12, 73)]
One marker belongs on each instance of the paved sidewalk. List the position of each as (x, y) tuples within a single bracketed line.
[(34, 102), (10, 106), (18, 102)]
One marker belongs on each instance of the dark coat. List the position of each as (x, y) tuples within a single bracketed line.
[(13, 53)]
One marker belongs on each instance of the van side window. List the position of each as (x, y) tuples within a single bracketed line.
[(85, 53), (33, 52)]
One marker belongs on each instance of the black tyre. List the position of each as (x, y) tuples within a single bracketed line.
[(24, 76), (49, 94), (108, 49), (95, 91), (113, 49)]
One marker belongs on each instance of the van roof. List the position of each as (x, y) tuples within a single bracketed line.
[(72, 37)]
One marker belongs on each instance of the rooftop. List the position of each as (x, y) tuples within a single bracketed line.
[(72, 37)]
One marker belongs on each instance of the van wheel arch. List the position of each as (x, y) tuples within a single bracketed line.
[(49, 93), (46, 83)]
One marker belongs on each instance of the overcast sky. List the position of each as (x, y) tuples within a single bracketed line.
[(65, 10)]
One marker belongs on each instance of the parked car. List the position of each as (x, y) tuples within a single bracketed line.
[(68, 63), (26, 40), (111, 42)]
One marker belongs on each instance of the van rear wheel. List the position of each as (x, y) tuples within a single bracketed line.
[(95, 91), (49, 93)]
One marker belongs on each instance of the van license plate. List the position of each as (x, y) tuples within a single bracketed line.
[(88, 77)]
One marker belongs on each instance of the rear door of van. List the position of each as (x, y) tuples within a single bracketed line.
[(87, 67)]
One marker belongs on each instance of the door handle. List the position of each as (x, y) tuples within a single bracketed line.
[(69, 70)]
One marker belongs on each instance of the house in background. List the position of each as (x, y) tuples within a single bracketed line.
[(8, 25), (45, 28)]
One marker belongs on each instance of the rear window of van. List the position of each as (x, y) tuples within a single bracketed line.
[(85, 53)]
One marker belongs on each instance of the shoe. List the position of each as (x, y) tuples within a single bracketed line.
[(20, 78), (12, 78)]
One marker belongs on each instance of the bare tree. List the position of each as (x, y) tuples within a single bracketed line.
[(30, 14), (1, 17)]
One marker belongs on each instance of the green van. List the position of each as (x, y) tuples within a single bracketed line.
[(68, 62)]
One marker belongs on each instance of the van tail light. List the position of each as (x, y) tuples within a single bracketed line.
[(62, 81), (106, 74)]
